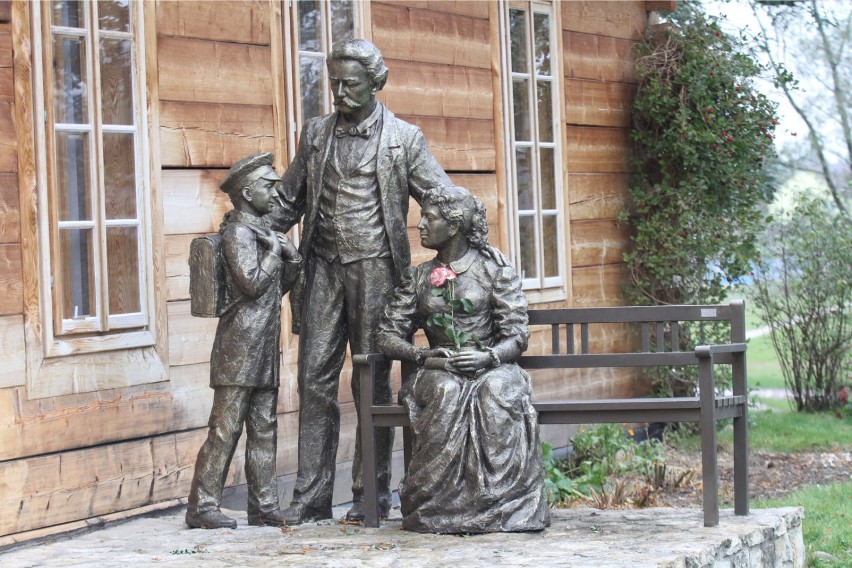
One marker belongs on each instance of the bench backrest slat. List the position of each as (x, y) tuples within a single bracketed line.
[(631, 314)]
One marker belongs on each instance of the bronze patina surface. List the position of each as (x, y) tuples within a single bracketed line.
[(476, 457), (260, 265), (350, 183)]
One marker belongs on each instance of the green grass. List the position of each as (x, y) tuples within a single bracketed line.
[(764, 371), (782, 430), (828, 523)]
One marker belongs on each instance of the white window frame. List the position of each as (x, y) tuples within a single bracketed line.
[(553, 287), (100, 332), (292, 54)]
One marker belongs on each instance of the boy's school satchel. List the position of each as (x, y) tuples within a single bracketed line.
[(208, 290)]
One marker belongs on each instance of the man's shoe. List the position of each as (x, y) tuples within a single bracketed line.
[(298, 514), (209, 520), (356, 513), (274, 518)]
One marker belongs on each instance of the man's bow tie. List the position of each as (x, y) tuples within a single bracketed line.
[(341, 131)]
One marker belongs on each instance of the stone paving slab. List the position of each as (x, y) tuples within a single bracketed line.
[(582, 537)]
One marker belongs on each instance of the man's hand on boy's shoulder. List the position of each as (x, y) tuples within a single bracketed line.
[(288, 249)]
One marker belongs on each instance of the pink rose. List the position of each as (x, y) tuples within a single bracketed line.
[(439, 276)]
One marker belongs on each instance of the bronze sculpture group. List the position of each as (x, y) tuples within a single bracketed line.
[(477, 463)]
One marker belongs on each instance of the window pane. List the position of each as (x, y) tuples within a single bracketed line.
[(523, 160), (123, 269), (342, 21), (119, 175), (518, 36), (69, 14), (70, 100), (550, 237), (117, 81), (310, 78), (72, 176), (114, 15), (545, 112), (526, 235), (310, 25), (521, 108), (541, 27), (76, 263), (548, 191)]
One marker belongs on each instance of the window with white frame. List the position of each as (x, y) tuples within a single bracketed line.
[(317, 25), (96, 188), (532, 92)]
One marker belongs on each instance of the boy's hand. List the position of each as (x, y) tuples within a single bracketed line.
[(288, 249), (270, 239)]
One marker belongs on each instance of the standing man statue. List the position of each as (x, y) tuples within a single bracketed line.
[(351, 179)]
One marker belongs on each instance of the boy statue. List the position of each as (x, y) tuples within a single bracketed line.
[(260, 266)]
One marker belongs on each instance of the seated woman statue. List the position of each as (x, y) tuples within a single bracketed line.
[(476, 457)]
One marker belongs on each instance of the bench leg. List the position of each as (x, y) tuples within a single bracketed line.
[(741, 504), (709, 469), (368, 448)]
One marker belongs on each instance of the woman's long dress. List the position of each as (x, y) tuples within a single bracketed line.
[(476, 461)]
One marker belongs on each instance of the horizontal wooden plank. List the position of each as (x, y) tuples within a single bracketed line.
[(459, 144), (177, 266), (426, 89), (431, 36), (594, 149), (192, 201), (597, 242), (237, 22), (483, 186), (10, 213), (11, 280), (598, 285), (190, 338), (75, 485), (597, 196), (98, 371), (560, 384), (660, 5), (5, 49), (12, 361), (8, 140), (32, 427), (460, 7), (7, 84), (612, 18), (213, 135), (599, 58), (595, 103), (193, 70)]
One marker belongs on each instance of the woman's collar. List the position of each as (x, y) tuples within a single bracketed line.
[(462, 264)]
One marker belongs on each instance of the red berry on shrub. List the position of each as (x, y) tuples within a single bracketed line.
[(718, 33), (729, 139)]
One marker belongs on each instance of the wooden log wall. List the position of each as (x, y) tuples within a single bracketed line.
[(216, 72)]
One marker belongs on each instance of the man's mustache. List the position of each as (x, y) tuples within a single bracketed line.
[(347, 102)]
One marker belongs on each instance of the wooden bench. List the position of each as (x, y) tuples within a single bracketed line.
[(660, 322)]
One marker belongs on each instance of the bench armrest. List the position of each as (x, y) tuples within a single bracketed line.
[(368, 358)]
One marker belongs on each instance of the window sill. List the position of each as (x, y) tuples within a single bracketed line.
[(545, 296)]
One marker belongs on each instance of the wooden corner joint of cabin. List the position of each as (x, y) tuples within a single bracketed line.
[(706, 408)]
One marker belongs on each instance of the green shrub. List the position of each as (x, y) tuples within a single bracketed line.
[(803, 287), (702, 133)]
